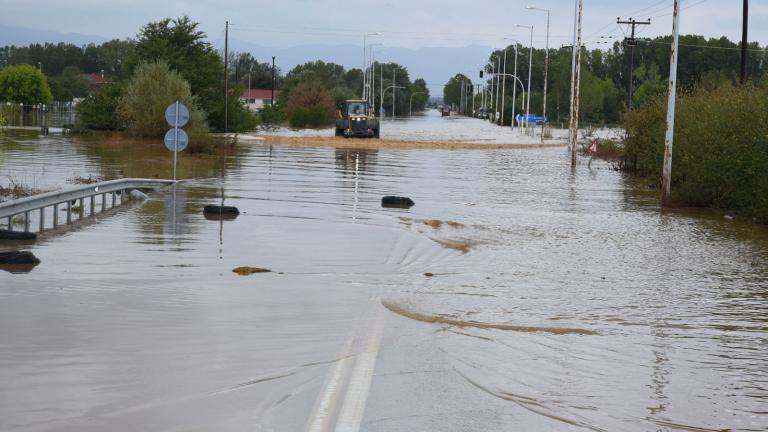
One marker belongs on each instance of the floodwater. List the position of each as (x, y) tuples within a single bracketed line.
[(554, 299)]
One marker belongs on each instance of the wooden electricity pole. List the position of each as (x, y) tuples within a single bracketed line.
[(632, 43), (744, 27)]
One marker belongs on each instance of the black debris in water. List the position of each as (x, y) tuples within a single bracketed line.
[(221, 210), (15, 257), (16, 235), (397, 202)]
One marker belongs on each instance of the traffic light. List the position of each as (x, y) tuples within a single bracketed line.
[(481, 74)]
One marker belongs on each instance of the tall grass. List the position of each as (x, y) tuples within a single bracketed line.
[(720, 153)]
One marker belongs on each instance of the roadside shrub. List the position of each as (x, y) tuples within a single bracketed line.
[(148, 93), (720, 153), (98, 111), (271, 115), (310, 105)]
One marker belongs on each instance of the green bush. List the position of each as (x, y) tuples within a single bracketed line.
[(146, 96), (271, 115), (310, 105), (308, 117), (24, 84), (98, 111), (720, 153)]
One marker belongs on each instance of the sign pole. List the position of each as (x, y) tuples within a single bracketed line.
[(175, 140)]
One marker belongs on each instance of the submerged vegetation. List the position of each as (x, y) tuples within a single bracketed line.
[(720, 153)]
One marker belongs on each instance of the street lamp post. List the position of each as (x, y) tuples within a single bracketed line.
[(381, 89), (393, 87), (410, 104), (365, 59), (247, 100), (530, 68), (273, 81), (495, 88), (504, 85), (371, 91), (546, 69), (514, 89)]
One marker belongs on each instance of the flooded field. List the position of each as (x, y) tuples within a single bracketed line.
[(515, 295)]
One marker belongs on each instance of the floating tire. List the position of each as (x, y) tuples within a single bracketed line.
[(16, 235), (397, 202), (229, 210)]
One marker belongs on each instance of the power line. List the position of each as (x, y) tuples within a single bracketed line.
[(736, 48)]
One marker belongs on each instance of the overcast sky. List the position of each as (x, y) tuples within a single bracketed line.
[(404, 23)]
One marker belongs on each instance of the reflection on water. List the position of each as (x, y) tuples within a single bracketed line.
[(575, 297)]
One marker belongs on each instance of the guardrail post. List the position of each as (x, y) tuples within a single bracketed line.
[(69, 211), (93, 204), (26, 221), (9, 224), (42, 218), (55, 215), (113, 199), (103, 202)]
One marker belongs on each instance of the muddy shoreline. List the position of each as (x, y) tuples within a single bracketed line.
[(374, 144)]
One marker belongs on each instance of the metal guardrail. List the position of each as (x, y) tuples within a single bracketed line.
[(23, 206)]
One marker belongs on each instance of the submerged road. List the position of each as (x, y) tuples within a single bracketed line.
[(515, 295)]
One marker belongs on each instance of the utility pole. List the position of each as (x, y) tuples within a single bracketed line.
[(575, 81), (744, 28), (226, 73), (273, 81), (632, 43), (666, 179)]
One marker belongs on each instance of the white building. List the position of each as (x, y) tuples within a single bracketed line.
[(256, 99)]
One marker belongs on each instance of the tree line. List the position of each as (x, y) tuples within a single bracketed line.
[(185, 51), (605, 75)]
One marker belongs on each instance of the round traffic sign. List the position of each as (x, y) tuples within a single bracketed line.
[(170, 139), (171, 114)]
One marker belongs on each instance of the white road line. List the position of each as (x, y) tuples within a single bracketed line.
[(322, 414), (351, 414)]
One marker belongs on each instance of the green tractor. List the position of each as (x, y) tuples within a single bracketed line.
[(356, 119)]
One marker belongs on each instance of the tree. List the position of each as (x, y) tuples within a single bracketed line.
[(452, 91), (244, 64), (24, 84), (68, 85), (99, 110), (183, 47), (310, 104), (420, 94), (148, 93)]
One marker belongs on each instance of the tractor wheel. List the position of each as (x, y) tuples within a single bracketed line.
[(376, 133), (339, 132)]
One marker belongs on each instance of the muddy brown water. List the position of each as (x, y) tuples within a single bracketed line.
[(573, 296)]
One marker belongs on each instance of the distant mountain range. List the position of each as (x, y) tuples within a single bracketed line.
[(20, 36), (435, 65)]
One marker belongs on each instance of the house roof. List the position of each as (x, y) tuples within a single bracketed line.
[(93, 78), (259, 94)]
